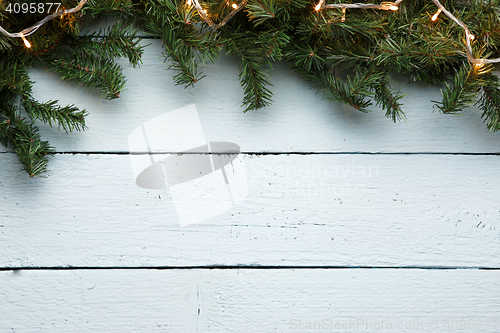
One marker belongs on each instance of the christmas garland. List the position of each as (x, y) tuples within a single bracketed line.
[(347, 49)]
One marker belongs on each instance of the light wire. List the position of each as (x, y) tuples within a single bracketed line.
[(236, 8), (212, 25), (394, 6), (33, 28)]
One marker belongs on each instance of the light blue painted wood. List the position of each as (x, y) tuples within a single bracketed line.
[(246, 301), (340, 210), (419, 210)]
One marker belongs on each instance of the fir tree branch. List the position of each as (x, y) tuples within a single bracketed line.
[(306, 58), (68, 117), (462, 93), (102, 74), (388, 99), (7, 132), (185, 42), (182, 59), (369, 29), (13, 76), (254, 78), (289, 8), (116, 41), (4, 43), (116, 8), (260, 11), (254, 70), (489, 103), (15, 82), (354, 90), (425, 60), (24, 139)]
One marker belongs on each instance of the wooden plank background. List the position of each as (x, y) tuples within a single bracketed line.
[(250, 300), (348, 217)]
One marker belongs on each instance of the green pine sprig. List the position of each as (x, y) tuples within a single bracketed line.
[(119, 40), (102, 74), (23, 138), (86, 58), (254, 70), (462, 92), (186, 42), (489, 102)]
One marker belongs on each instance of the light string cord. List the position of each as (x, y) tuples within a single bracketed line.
[(236, 8), (382, 6), (212, 25), (441, 8), (468, 37), (33, 28)]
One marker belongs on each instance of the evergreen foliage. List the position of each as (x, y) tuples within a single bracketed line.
[(350, 58), (87, 58)]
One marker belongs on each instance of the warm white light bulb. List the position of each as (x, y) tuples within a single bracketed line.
[(235, 6), (318, 7), (472, 37), (394, 8), (28, 45), (189, 2), (435, 16)]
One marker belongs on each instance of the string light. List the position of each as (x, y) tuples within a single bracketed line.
[(435, 16), (33, 28), (468, 38), (383, 6), (28, 45), (203, 13), (394, 6)]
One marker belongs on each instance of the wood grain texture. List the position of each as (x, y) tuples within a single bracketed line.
[(411, 210), (325, 210), (301, 119), (247, 301)]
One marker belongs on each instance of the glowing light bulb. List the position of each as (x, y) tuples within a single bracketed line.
[(28, 45), (235, 6), (189, 2), (435, 16), (394, 8), (472, 37), (343, 14), (205, 11), (318, 7)]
